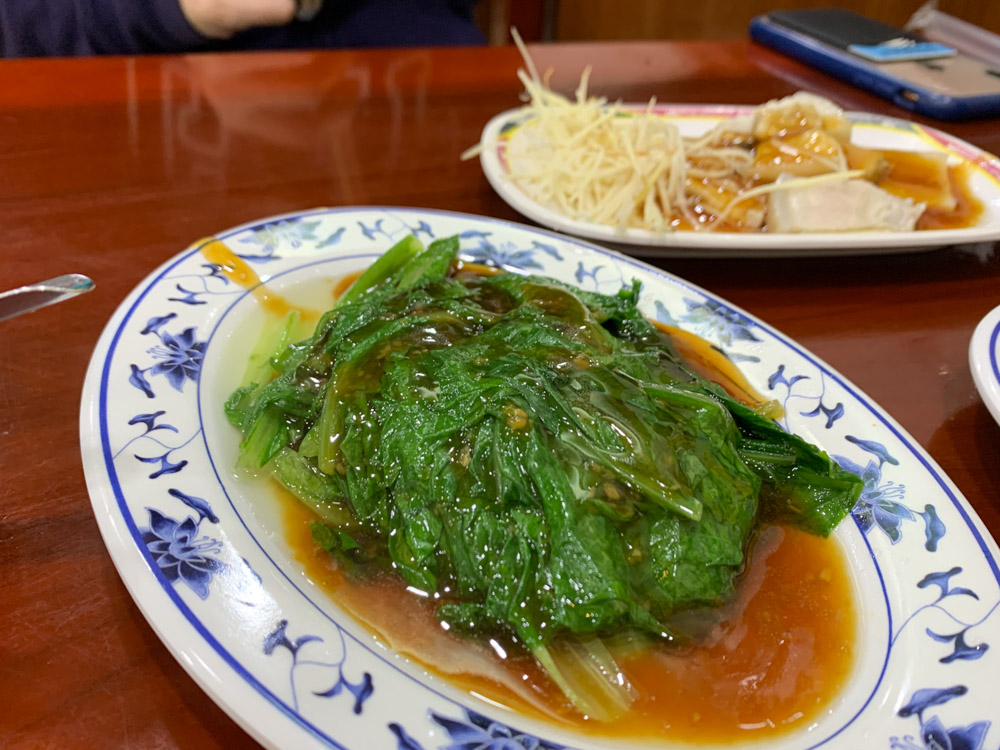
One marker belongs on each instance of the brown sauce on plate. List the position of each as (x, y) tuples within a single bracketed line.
[(234, 268), (778, 654), (909, 175), (767, 662), (915, 176), (712, 364), (968, 208)]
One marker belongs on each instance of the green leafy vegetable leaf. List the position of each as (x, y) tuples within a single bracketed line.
[(538, 453)]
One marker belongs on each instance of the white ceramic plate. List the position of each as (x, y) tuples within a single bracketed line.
[(204, 555), (872, 131), (984, 358)]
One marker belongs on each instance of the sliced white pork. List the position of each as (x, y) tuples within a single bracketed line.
[(840, 206)]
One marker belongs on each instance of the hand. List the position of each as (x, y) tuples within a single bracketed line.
[(220, 19)]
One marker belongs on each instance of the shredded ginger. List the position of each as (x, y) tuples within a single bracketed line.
[(602, 163)]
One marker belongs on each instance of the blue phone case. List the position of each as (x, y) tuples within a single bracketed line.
[(857, 72)]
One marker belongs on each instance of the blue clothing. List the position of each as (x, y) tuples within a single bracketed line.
[(43, 28)]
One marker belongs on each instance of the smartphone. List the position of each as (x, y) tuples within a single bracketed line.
[(911, 72)]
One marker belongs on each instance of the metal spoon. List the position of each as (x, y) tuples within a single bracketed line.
[(29, 298)]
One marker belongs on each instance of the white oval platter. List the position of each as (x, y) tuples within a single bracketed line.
[(205, 558)]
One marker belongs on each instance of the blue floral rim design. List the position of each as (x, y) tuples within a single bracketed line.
[(136, 533), (994, 334)]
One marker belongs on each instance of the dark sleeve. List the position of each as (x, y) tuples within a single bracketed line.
[(405, 23), (42, 28), (371, 23)]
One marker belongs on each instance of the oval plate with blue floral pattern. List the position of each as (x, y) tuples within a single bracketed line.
[(868, 130), (206, 560)]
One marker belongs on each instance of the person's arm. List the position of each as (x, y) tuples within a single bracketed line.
[(221, 19), (41, 28)]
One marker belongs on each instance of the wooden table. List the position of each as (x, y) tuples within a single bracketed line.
[(110, 166)]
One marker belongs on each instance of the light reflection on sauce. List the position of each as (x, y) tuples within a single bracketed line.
[(706, 360), (700, 355), (916, 176), (774, 658), (910, 175), (968, 209), (778, 655), (784, 648)]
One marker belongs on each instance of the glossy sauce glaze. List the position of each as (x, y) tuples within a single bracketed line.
[(915, 176), (239, 272), (712, 364), (772, 660), (968, 209), (906, 175), (967, 212), (767, 662)]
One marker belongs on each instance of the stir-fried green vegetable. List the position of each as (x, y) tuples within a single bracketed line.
[(537, 455)]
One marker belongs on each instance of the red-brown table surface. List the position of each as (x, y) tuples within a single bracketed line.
[(110, 166)]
